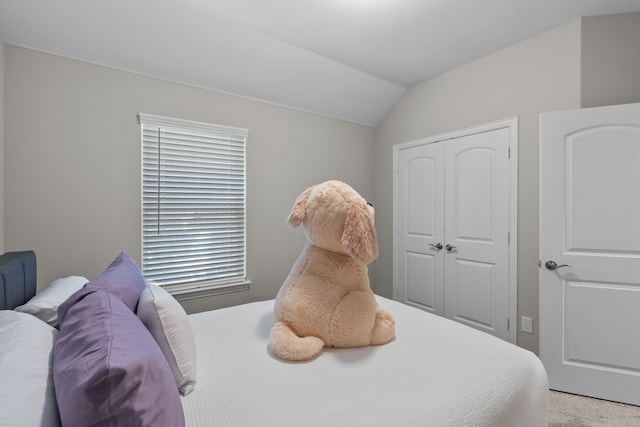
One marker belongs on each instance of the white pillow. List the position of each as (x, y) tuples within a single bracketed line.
[(168, 323), (27, 396), (44, 305)]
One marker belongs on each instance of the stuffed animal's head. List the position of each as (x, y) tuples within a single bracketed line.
[(336, 218)]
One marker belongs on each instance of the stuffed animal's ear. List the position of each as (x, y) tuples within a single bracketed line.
[(297, 214), (359, 238)]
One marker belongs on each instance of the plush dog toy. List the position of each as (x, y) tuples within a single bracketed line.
[(326, 300)]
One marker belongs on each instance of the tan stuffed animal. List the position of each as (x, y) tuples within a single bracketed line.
[(326, 300)]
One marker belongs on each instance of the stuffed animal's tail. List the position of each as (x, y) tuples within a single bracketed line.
[(288, 346)]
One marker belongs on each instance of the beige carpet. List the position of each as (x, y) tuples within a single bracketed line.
[(570, 410)]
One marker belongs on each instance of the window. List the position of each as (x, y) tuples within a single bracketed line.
[(193, 206)]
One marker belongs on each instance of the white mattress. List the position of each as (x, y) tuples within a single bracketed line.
[(437, 372)]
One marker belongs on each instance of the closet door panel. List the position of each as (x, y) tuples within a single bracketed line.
[(419, 215), (421, 280), (474, 293), (471, 202), (476, 231)]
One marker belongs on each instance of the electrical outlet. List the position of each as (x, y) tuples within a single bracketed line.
[(526, 324)]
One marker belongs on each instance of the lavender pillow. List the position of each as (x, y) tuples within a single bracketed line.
[(107, 368), (122, 279)]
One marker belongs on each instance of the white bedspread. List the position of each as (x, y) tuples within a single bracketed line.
[(436, 373)]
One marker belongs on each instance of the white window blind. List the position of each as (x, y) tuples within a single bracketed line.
[(193, 203)]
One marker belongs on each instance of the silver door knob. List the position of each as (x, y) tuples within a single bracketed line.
[(551, 265), (450, 248), (437, 247)]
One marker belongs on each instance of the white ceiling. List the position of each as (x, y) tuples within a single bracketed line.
[(349, 59)]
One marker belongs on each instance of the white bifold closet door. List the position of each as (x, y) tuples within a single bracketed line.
[(452, 229)]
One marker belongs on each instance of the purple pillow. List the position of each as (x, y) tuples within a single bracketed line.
[(107, 368), (123, 279)]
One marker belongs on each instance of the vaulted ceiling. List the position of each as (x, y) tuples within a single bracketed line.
[(349, 59)]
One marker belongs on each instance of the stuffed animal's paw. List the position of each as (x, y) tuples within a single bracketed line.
[(384, 330)]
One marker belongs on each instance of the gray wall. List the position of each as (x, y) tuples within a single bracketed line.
[(73, 165), (610, 59), (1, 147), (536, 75)]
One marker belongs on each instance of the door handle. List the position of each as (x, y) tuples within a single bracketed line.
[(551, 265), (437, 247), (450, 248)]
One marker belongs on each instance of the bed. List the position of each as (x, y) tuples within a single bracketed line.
[(435, 373)]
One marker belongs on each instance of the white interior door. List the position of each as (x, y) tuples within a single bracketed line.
[(590, 221), (419, 253), (477, 231), (454, 217)]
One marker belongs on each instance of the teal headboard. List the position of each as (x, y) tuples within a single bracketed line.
[(17, 278)]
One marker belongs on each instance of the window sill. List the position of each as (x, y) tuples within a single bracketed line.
[(201, 290)]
